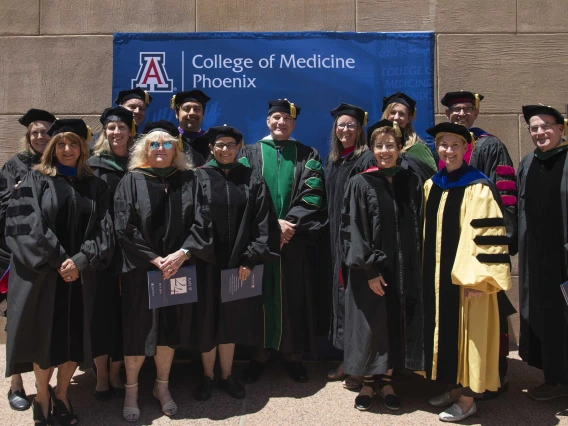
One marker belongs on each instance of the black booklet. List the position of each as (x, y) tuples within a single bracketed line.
[(180, 288), (232, 288)]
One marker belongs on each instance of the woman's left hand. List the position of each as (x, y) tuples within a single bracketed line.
[(69, 271), (244, 273), (470, 293), (171, 263)]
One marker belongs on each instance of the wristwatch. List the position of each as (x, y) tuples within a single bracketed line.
[(187, 253)]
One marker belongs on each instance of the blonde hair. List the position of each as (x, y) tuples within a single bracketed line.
[(25, 141), (337, 146), (139, 154), (382, 131), (409, 136), (48, 162), (103, 145)]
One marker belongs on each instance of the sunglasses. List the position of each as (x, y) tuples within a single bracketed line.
[(155, 145)]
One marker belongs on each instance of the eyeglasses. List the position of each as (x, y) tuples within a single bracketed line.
[(466, 110), (389, 147), (349, 126), (544, 127), (229, 145), (155, 145)]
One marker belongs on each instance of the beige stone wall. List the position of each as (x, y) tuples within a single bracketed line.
[(57, 54)]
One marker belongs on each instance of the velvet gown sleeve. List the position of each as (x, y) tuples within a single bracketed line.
[(27, 232), (97, 251), (137, 252), (264, 231), (361, 230), (309, 205)]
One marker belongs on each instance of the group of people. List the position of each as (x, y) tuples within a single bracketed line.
[(419, 250)]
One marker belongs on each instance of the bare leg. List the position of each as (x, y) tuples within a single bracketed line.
[(64, 374), (226, 353), (42, 380), (163, 359), (133, 365), (208, 360), (114, 375), (102, 373)]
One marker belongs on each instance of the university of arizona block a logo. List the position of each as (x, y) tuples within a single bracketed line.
[(152, 75)]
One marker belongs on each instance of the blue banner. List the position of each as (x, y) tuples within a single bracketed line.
[(241, 72)]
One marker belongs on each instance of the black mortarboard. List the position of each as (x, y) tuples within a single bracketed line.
[(136, 93), (214, 133), (119, 114), (384, 123), (72, 125), (191, 96), (36, 115), (401, 98), (462, 96), (285, 105), (453, 128), (532, 110), (164, 126), (351, 110)]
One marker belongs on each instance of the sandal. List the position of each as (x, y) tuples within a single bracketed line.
[(333, 375), (363, 401), (391, 400), (38, 417), (352, 383), (170, 408), (63, 415), (131, 414)]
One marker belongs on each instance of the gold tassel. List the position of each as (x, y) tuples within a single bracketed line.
[(292, 108), (396, 128), (89, 134), (565, 127), (242, 142), (133, 129), (477, 102), (366, 119), (146, 98), (414, 114), (180, 143), (173, 102)]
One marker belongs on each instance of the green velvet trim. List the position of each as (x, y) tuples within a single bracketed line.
[(315, 183), (279, 176), (315, 166), (312, 200), (239, 163), (118, 163), (547, 154), (423, 153)]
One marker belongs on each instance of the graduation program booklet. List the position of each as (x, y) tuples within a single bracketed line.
[(179, 289), (232, 288)]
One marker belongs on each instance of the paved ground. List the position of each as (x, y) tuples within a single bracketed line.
[(277, 400)]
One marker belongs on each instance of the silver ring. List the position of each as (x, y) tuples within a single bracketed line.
[(68, 277)]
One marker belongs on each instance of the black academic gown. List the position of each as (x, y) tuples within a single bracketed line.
[(337, 174), (543, 233), (156, 216), (51, 219), (106, 330), (196, 147), (246, 233), (289, 296), (381, 236)]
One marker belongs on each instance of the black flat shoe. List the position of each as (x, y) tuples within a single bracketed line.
[(252, 372), (118, 392), (363, 402), (205, 389), (62, 414), (18, 400), (38, 418), (233, 388), (104, 395), (297, 371)]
